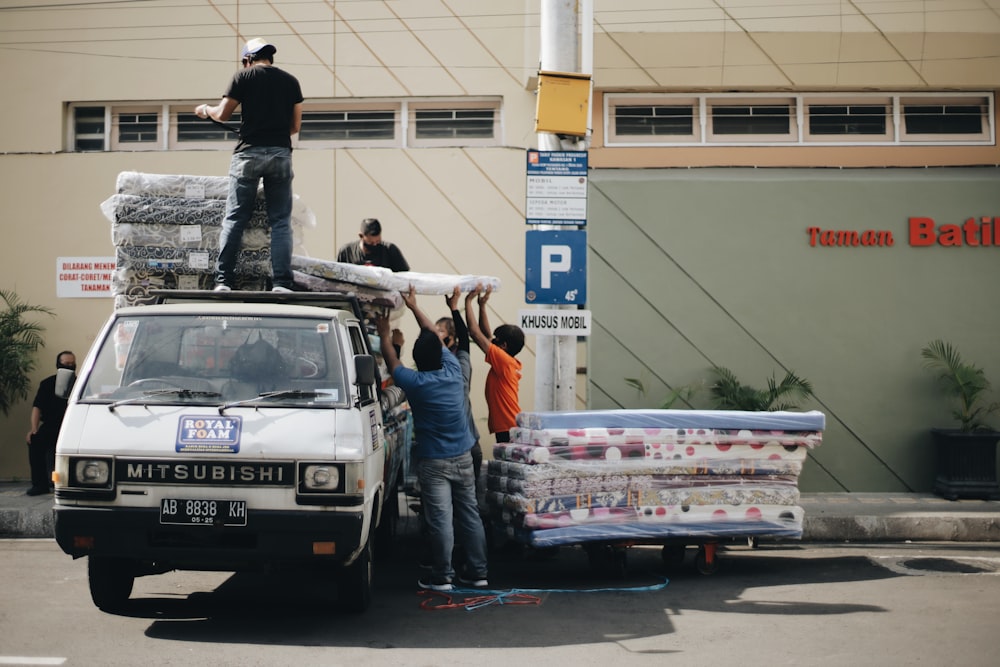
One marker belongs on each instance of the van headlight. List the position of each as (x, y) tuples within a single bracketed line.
[(90, 472), (321, 478)]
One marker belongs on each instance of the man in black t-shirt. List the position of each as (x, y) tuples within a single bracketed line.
[(270, 102), (47, 413), (371, 250)]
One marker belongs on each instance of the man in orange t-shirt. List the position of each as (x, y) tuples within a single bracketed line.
[(505, 371)]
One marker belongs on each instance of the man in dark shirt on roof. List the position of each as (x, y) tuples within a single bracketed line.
[(270, 102)]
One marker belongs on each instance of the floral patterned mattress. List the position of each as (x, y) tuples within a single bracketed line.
[(650, 474)]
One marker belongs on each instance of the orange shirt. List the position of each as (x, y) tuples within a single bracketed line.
[(501, 389)]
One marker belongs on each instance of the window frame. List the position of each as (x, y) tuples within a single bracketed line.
[(114, 141), (894, 135), (955, 99), (710, 103), (357, 107), (451, 104)]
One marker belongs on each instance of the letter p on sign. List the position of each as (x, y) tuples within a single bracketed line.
[(555, 259)]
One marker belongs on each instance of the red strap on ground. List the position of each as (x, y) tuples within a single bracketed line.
[(433, 601)]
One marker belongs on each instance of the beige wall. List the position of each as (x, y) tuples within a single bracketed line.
[(452, 210)]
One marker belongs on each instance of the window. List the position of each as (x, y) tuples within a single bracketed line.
[(654, 120), (348, 125), (644, 119), (189, 131), (453, 123), (927, 119), (849, 120), (135, 128), (88, 128), (756, 120)]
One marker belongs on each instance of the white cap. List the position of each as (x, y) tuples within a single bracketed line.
[(255, 45)]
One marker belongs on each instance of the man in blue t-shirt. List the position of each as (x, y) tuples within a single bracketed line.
[(436, 393)]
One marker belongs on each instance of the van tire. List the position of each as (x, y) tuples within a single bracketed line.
[(357, 581), (110, 580)]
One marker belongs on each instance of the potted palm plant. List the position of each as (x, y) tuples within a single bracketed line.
[(19, 340), (966, 462), (731, 394)]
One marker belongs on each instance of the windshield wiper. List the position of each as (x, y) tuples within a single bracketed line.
[(150, 393), (282, 393)]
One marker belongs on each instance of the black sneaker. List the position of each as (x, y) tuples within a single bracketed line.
[(35, 491), (430, 584), (474, 582)]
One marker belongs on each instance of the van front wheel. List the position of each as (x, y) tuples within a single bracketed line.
[(111, 581)]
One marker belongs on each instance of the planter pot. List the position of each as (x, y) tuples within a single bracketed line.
[(966, 464)]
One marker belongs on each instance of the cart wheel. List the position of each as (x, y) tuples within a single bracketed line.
[(706, 561), (673, 555)]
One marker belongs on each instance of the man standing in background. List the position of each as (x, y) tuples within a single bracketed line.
[(47, 413)]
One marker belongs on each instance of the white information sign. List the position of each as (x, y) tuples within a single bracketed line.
[(555, 322), (556, 208), (84, 277)]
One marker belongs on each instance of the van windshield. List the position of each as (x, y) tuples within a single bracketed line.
[(216, 359)]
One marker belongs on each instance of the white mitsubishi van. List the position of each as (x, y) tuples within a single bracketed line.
[(230, 431)]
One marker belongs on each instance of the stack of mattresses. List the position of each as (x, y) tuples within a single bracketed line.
[(165, 229), (651, 475)]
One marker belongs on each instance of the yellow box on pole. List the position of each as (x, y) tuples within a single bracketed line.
[(563, 103)]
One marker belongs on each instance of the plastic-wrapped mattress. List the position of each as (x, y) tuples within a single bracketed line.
[(651, 475)]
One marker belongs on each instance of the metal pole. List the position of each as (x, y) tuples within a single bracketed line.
[(555, 364)]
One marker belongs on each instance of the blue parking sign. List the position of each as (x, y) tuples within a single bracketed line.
[(555, 267)]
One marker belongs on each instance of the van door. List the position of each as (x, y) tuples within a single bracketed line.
[(371, 417)]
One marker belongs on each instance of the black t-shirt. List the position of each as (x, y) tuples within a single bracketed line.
[(267, 96), (385, 254), (51, 406)]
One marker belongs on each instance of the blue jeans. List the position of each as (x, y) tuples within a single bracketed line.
[(448, 496), (246, 169)]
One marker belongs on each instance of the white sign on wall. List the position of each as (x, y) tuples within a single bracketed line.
[(84, 277), (555, 322)]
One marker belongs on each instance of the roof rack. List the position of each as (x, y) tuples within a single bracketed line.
[(339, 300)]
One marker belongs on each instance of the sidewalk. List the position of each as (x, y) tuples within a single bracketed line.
[(829, 517)]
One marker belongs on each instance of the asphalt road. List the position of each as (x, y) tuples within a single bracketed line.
[(890, 604)]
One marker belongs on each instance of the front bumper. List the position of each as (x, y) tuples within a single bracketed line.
[(270, 537)]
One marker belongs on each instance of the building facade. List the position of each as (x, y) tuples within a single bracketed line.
[(773, 186)]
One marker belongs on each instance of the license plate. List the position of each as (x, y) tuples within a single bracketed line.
[(193, 512)]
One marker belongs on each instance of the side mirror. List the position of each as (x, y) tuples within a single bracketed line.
[(364, 369)]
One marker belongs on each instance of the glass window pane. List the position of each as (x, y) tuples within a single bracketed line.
[(654, 120), (943, 119), (137, 127), (348, 125), (748, 120), (190, 128), (457, 123), (844, 119), (88, 128)]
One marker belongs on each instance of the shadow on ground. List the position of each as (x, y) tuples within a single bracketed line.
[(576, 603)]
